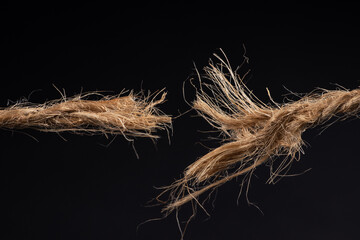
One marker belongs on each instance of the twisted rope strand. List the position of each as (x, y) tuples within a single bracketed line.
[(127, 115)]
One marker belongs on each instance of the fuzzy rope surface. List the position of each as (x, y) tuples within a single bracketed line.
[(255, 132), (129, 115)]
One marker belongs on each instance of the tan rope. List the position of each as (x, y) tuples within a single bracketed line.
[(130, 115), (256, 132)]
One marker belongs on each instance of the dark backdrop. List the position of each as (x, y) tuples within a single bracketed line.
[(83, 189)]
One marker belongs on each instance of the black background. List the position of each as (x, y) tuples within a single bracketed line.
[(83, 189)]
